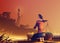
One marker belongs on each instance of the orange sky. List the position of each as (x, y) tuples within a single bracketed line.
[(30, 9)]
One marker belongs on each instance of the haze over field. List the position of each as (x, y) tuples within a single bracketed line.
[(29, 10)]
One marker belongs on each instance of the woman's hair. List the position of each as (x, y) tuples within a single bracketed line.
[(40, 16)]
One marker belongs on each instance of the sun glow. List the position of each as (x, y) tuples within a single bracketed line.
[(56, 33), (14, 38)]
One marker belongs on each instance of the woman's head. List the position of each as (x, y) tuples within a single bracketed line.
[(40, 16)]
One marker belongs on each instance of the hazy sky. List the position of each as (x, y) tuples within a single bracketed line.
[(50, 9)]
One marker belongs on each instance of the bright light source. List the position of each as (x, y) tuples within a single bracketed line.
[(14, 38)]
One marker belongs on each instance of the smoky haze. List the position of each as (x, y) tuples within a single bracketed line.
[(29, 9)]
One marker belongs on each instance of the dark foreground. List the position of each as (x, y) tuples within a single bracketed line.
[(32, 42), (37, 42)]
